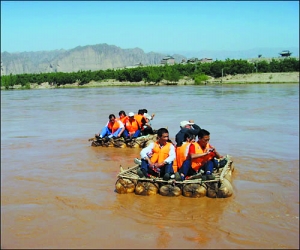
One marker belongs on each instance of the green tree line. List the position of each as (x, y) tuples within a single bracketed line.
[(171, 73)]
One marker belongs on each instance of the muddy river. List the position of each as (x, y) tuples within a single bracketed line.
[(59, 192)]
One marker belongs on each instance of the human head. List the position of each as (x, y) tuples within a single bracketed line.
[(131, 115), (112, 118), (188, 136), (203, 137), (141, 112), (122, 113), (147, 116), (186, 124), (145, 111), (162, 136)]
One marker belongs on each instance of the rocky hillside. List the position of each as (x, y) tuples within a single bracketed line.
[(90, 57)]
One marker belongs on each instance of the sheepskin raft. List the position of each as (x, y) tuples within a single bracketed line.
[(221, 187), (139, 142)]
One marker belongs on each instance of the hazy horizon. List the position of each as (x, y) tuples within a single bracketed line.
[(214, 54)]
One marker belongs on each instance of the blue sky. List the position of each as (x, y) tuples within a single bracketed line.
[(159, 26)]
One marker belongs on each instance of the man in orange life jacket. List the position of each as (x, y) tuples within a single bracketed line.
[(113, 128), (158, 156), (132, 128), (202, 156)]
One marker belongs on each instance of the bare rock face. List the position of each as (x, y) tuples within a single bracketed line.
[(91, 57)]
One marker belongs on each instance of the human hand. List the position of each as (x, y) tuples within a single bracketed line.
[(151, 165), (212, 149), (155, 167)]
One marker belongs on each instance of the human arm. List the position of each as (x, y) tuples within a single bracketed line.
[(192, 152), (217, 155), (196, 129), (146, 153), (122, 127), (193, 155), (179, 137), (122, 130), (208, 151)]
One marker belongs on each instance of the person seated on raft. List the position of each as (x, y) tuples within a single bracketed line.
[(132, 128), (158, 157), (140, 119), (123, 117), (182, 154), (146, 112), (147, 126), (202, 157), (184, 127), (113, 128)]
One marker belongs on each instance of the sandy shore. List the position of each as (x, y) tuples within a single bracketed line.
[(289, 77)]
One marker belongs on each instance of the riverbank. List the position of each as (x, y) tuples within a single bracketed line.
[(287, 77)]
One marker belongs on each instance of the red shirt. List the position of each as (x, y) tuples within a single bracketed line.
[(191, 149)]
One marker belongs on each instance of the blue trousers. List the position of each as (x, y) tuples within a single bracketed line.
[(107, 132), (186, 167), (168, 168), (136, 134)]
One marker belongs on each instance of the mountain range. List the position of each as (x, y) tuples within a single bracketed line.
[(104, 56)]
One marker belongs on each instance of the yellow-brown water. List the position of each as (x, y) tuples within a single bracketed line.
[(59, 192)]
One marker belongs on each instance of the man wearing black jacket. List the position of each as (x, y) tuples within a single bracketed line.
[(186, 126)]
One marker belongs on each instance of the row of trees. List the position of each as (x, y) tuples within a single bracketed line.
[(170, 73)]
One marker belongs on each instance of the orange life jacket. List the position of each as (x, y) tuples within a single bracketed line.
[(113, 127), (182, 153), (160, 154), (175, 167), (139, 119), (197, 163), (131, 127), (123, 119)]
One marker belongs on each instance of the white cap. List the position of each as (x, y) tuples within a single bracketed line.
[(131, 114), (147, 116), (184, 123)]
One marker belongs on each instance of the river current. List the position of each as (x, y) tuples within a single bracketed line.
[(59, 192)]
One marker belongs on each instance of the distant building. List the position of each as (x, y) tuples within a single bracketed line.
[(192, 60), (285, 53), (206, 60), (168, 60)]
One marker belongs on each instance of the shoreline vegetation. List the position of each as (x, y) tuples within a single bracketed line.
[(252, 78), (217, 72)]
